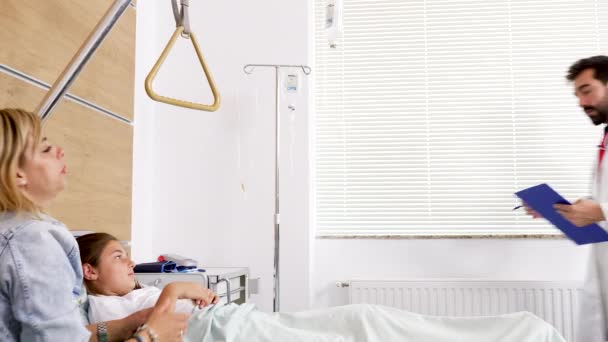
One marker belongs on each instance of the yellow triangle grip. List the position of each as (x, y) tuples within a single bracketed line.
[(181, 103)]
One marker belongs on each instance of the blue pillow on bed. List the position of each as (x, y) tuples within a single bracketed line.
[(156, 267)]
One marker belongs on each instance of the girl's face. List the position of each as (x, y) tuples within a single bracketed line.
[(114, 275), (43, 173)]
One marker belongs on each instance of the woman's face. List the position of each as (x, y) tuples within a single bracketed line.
[(43, 173), (114, 274)]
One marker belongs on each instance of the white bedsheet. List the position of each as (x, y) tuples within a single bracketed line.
[(243, 323)]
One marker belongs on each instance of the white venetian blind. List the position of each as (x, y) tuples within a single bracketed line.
[(430, 114)]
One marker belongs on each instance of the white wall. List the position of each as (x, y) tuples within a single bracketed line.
[(204, 182), (518, 259), (191, 168)]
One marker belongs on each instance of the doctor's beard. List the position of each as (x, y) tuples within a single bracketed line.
[(601, 113)]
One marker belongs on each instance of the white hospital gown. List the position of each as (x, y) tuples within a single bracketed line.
[(107, 308)]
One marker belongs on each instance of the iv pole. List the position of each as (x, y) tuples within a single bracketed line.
[(248, 69)]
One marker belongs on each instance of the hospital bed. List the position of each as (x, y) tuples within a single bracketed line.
[(231, 284), (353, 323)]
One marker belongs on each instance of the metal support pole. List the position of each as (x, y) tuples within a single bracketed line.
[(80, 59), (277, 215), (248, 69)]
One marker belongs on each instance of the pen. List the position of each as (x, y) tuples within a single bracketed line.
[(519, 206)]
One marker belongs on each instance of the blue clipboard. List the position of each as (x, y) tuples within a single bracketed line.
[(542, 198)]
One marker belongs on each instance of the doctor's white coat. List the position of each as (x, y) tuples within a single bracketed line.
[(594, 302)]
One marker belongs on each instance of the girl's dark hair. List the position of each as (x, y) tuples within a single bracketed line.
[(92, 245)]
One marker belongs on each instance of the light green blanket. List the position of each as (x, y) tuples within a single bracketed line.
[(364, 323)]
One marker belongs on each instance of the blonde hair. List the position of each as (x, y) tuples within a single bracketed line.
[(16, 128)]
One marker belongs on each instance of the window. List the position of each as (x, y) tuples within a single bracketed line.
[(429, 115)]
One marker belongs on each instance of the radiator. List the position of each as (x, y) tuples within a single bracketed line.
[(555, 302)]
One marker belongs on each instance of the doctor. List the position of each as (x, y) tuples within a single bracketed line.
[(589, 77)]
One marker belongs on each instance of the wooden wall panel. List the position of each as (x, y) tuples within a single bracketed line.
[(39, 37), (99, 157)]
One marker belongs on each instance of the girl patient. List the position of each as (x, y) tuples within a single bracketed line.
[(113, 290), (109, 278)]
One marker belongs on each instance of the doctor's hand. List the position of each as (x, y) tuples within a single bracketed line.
[(582, 212), (531, 211)]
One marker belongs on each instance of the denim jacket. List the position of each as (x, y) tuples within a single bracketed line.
[(40, 280)]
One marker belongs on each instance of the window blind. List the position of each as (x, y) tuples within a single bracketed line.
[(430, 114)]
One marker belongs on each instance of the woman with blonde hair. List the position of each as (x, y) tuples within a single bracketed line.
[(40, 269)]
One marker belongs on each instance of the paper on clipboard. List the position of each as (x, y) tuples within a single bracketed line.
[(542, 198)]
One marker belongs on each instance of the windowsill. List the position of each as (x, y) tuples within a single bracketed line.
[(445, 236)]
